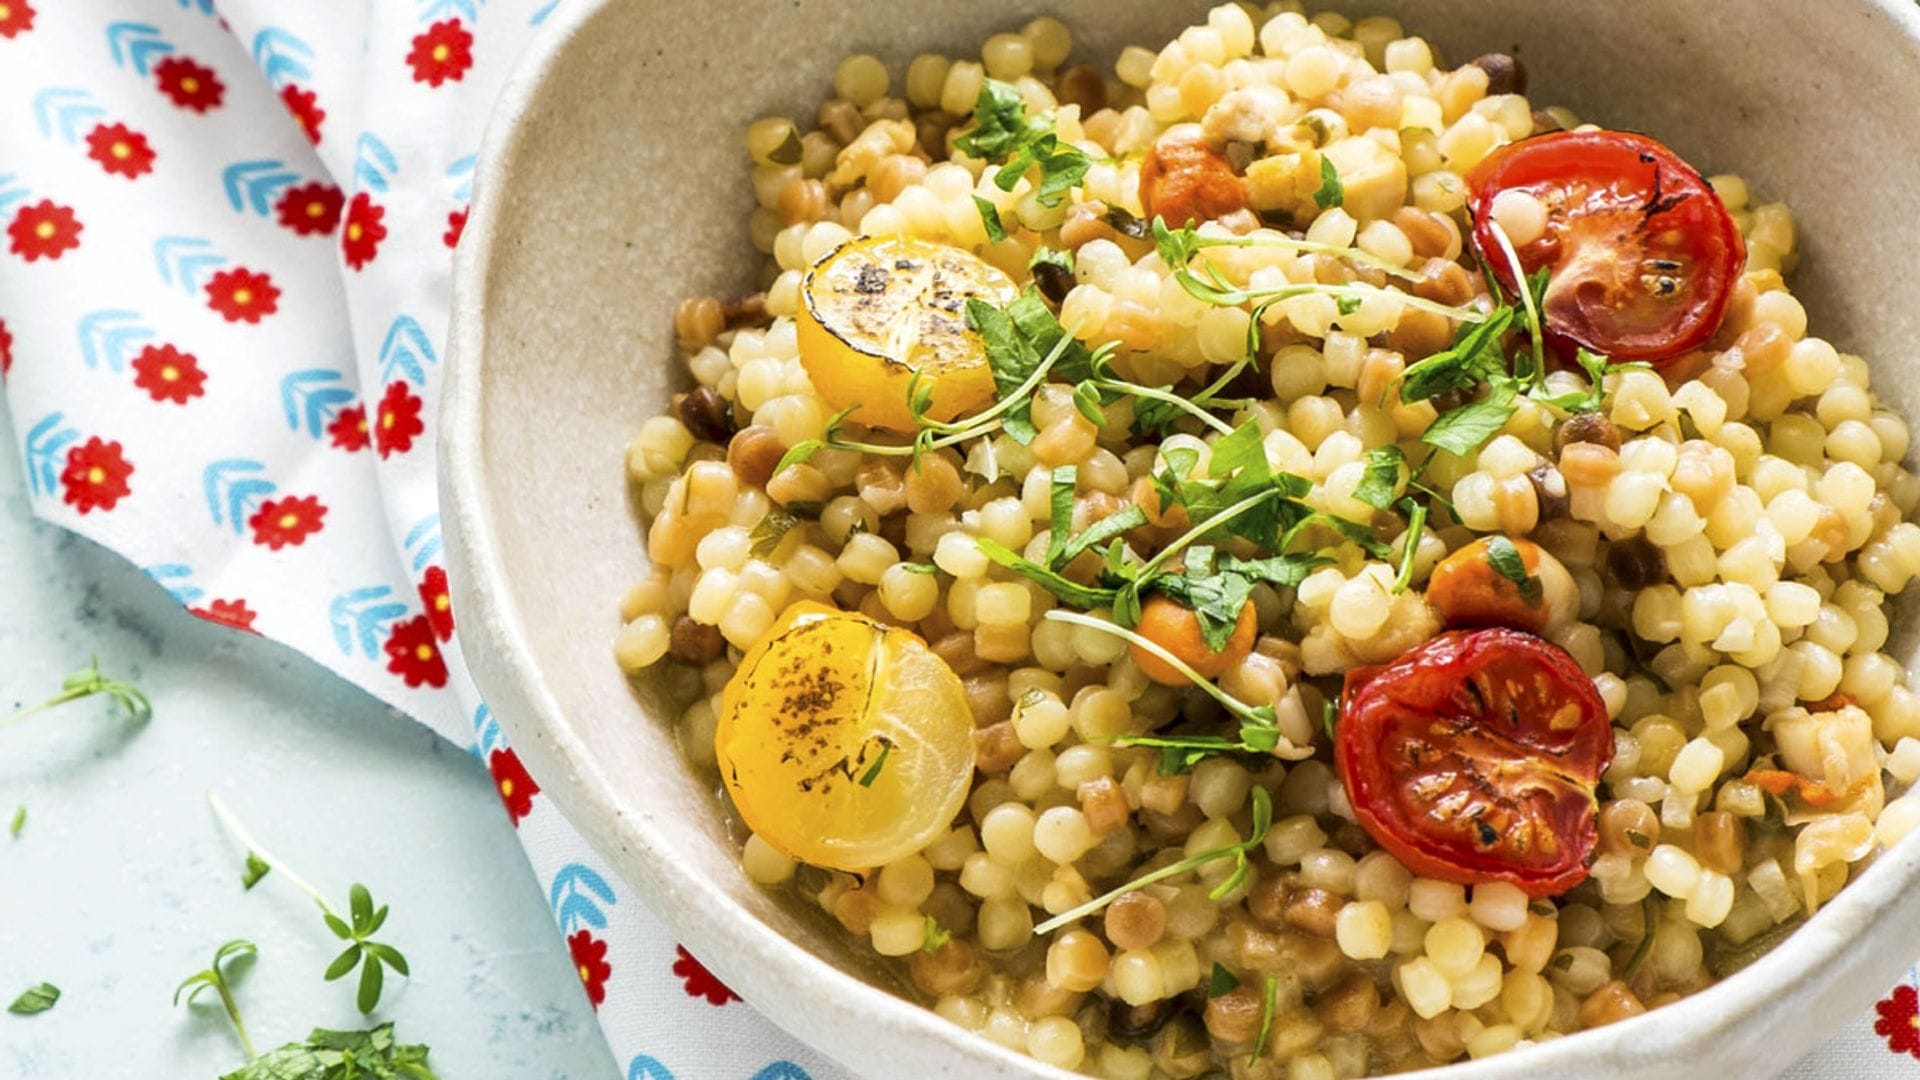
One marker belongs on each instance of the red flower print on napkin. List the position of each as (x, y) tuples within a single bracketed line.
[(456, 224), (305, 107), (310, 209), (1899, 1021), (45, 230), (96, 475), (16, 17), (360, 240), (6, 349), (240, 295), (699, 981), (514, 783), (287, 522), (399, 420), (443, 53), (349, 429), (412, 654), (590, 960), (189, 85), (439, 603), (120, 150), (167, 374), (234, 613)]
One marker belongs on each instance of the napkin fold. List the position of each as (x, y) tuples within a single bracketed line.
[(223, 308)]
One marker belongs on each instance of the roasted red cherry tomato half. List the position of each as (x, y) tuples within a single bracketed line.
[(1187, 182), (1642, 255), (1473, 758)]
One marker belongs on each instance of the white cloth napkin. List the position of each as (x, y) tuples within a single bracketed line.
[(223, 304)]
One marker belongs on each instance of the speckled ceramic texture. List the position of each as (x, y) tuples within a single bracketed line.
[(613, 183)]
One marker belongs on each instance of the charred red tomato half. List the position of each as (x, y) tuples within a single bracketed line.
[(1473, 758), (1642, 254)]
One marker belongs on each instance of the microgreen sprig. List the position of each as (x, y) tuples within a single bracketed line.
[(1258, 724), (1185, 242), (215, 978), (363, 919), (1238, 852), (87, 682), (1177, 248)]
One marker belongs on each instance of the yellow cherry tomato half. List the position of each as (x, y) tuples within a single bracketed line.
[(845, 743)]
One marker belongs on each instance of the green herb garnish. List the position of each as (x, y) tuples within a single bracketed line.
[(1269, 997), (18, 823), (87, 682), (1410, 544), (1506, 561), (1003, 134), (1259, 730), (256, 868), (1221, 981), (341, 1055), (769, 531), (215, 978), (873, 771), (1242, 866), (990, 217), (1381, 481), (1332, 193), (933, 938), (35, 999), (1462, 430), (357, 929)]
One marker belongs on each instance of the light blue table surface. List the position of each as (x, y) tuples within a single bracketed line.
[(121, 883)]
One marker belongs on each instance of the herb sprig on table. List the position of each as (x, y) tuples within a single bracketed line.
[(357, 928), (85, 683), (325, 1055)]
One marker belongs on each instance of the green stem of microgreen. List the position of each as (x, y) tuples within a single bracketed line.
[(1435, 496), (907, 450), (1237, 297), (1168, 397), (1416, 526), (1526, 299), (1308, 247), (232, 1007), (86, 683), (1240, 709), (239, 831), (1020, 393), (1175, 869), (1161, 558), (53, 702)]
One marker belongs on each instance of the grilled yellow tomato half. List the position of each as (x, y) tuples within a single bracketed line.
[(877, 309), (844, 742)]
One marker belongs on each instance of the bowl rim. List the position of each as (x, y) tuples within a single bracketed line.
[(777, 973)]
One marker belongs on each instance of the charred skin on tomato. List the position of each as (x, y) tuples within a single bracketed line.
[(1474, 758), (1641, 253)]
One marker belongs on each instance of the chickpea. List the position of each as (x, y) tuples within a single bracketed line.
[(1176, 629), (1468, 589)]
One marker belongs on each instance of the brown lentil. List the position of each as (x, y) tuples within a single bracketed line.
[(705, 414), (1505, 73), (696, 642)]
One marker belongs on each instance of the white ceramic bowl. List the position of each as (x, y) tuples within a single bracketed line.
[(613, 183)]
